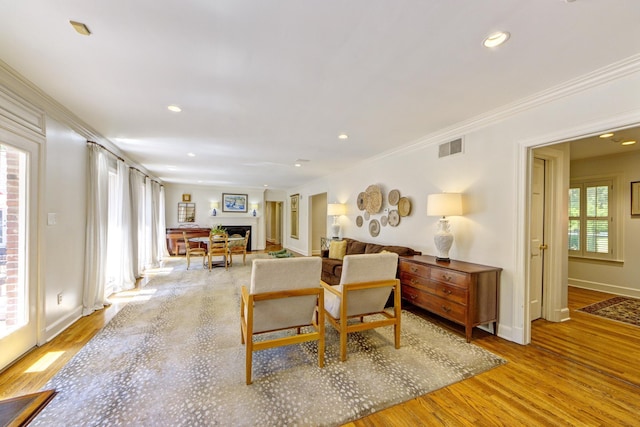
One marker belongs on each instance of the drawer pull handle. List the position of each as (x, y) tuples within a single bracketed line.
[(412, 296), (447, 277), (446, 309), (414, 270), (446, 291), (413, 281)]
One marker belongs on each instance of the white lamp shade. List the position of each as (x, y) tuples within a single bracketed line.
[(214, 205), (335, 209), (254, 206), (444, 204)]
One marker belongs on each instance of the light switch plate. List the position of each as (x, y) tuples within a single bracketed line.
[(51, 218)]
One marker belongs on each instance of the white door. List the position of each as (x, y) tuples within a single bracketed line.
[(18, 257), (537, 244)]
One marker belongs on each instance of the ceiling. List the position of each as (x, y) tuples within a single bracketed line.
[(265, 84)]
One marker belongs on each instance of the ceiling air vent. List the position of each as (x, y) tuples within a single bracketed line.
[(449, 148)]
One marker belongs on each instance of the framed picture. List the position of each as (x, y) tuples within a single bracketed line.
[(186, 197), (635, 198), (295, 198), (234, 202)]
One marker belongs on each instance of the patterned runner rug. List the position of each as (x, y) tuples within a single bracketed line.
[(173, 357), (622, 309)]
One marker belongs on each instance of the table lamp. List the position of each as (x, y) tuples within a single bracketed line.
[(335, 210), (214, 206), (443, 205)]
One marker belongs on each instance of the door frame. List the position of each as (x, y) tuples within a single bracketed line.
[(555, 273), (33, 149)]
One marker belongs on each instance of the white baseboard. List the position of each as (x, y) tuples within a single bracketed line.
[(605, 287), (56, 328)]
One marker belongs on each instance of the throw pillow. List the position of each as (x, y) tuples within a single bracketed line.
[(337, 249)]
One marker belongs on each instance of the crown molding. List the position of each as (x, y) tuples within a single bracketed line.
[(33, 95), (601, 76)]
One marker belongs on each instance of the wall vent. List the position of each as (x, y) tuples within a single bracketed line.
[(449, 148)]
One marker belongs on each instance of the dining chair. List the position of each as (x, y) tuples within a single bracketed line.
[(284, 294), (239, 247), (197, 251), (219, 246), (365, 285)]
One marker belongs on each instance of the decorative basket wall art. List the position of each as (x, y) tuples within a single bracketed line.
[(375, 214)]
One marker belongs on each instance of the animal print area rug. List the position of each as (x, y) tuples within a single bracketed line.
[(622, 309), (172, 357)]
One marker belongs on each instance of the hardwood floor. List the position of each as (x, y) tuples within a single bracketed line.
[(582, 372)]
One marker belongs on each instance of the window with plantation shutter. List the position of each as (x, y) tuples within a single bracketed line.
[(591, 231)]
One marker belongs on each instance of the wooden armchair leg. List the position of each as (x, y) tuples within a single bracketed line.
[(248, 363), (343, 346)]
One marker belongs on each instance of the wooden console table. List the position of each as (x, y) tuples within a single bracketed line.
[(175, 240), (462, 292)]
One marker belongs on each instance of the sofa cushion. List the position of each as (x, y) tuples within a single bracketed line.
[(355, 247), (400, 250), (329, 266), (337, 249), (372, 248)]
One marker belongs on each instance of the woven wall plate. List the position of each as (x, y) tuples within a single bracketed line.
[(362, 201), (359, 221), (404, 206), (374, 228), (383, 221), (394, 197), (394, 218), (375, 199)]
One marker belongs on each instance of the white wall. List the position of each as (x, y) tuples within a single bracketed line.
[(615, 277), (492, 173), (63, 244), (202, 196)]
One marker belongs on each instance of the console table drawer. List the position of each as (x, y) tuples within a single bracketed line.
[(452, 293), (415, 269), (445, 308), (449, 276)]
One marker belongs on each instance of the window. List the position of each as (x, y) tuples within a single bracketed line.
[(591, 212)]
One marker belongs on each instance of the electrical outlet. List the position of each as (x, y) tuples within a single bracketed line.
[(60, 298)]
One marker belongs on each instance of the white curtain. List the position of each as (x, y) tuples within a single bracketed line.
[(138, 220), (120, 274), (96, 239), (156, 249), (162, 225)]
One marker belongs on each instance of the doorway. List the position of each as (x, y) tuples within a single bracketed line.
[(18, 255), (318, 222), (273, 223)]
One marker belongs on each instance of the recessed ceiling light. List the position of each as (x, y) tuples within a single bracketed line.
[(174, 108), (606, 135), (298, 165), (630, 142), (191, 155), (343, 136), (80, 28), (496, 39), (266, 185)]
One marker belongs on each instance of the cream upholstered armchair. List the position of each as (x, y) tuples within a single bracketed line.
[(365, 285), (192, 251), (285, 293)]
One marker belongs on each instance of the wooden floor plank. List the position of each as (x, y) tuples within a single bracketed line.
[(580, 372)]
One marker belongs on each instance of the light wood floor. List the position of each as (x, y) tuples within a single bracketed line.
[(584, 372)]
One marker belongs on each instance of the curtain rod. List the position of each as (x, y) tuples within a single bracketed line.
[(121, 159)]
